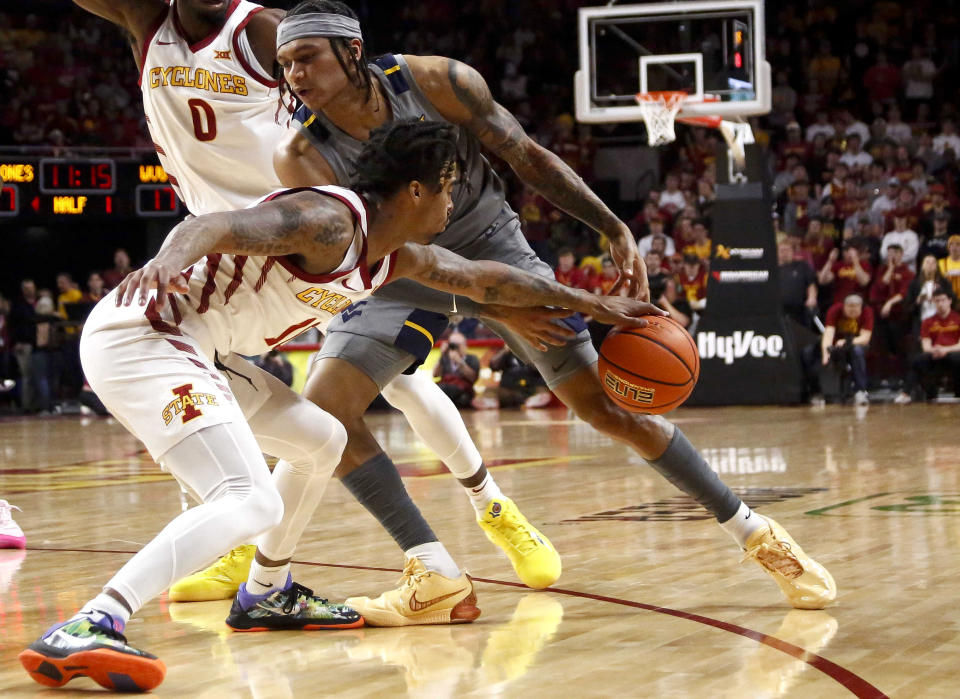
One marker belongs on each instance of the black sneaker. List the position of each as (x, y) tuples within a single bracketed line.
[(293, 608), (91, 647)]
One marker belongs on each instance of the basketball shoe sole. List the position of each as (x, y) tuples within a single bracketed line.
[(80, 648), (295, 608)]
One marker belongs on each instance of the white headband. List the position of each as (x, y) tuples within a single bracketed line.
[(317, 24)]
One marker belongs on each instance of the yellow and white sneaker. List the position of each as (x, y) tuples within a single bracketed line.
[(423, 597), (219, 581), (533, 557), (806, 583)]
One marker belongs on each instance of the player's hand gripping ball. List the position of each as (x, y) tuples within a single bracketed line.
[(649, 370)]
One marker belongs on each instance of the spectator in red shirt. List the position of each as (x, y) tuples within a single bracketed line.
[(940, 339), (816, 243), (658, 246), (567, 272), (845, 339), (121, 268), (536, 215), (95, 288), (693, 279), (794, 144), (882, 79), (887, 295), (604, 282), (849, 275)]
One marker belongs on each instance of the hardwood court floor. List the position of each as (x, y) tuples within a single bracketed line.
[(652, 601)]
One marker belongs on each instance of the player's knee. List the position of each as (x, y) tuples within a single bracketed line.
[(600, 413), (397, 393), (332, 449), (263, 510)]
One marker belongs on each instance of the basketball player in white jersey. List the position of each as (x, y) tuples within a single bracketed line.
[(293, 261), (211, 105)]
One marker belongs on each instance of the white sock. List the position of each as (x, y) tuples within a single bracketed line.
[(262, 578), (108, 605), (481, 495), (435, 557), (743, 524)]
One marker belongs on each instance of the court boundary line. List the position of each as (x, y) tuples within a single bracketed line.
[(848, 679)]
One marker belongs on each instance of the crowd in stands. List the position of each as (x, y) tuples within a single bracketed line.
[(862, 141)]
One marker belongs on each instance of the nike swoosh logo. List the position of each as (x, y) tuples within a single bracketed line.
[(748, 514), (166, 43), (348, 286), (561, 364), (417, 606)]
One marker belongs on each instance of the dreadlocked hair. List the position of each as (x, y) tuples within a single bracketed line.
[(354, 68), (402, 151)]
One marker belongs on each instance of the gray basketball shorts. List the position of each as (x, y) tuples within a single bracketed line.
[(392, 332)]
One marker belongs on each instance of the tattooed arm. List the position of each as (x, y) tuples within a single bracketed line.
[(314, 227), (461, 95), (496, 283)]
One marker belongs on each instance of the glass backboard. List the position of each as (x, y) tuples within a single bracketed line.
[(712, 50)]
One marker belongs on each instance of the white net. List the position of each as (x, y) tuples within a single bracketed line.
[(659, 111)]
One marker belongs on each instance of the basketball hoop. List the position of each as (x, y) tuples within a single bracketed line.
[(660, 111)]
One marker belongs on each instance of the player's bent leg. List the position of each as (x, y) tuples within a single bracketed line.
[(341, 388), (438, 423), (805, 583), (309, 443), (221, 463)]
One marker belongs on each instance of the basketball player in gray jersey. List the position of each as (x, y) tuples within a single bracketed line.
[(320, 50)]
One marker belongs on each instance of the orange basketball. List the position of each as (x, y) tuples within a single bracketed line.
[(649, 370)]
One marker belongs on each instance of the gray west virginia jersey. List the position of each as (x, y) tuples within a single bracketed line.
[(393, 331)]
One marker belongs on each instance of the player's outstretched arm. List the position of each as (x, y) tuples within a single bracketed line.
[(309, 224), (493, 282), (134, 16), (461, 95)]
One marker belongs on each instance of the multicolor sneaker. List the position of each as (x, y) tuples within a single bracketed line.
[(423, 597), (91, 647), (11, 536), (219, 581), (533, 557), (804, 582), (292, 608)]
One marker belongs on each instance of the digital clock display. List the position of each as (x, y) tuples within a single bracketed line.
[(77, 176), (157, 200)]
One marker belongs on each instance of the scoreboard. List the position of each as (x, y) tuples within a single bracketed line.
[(51, 189)]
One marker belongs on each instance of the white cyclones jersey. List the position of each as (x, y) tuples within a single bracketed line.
[(249, 305), (206, 103)]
